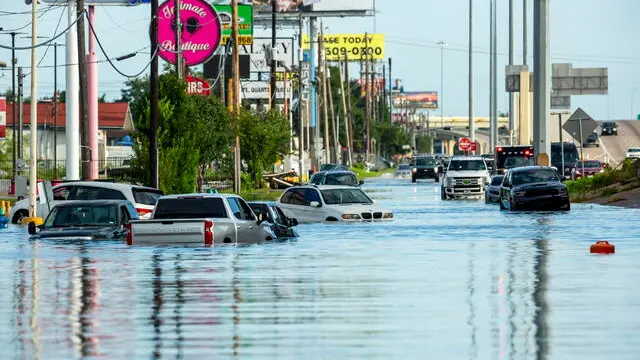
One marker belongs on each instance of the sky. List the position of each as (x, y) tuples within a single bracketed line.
[(586, 33)]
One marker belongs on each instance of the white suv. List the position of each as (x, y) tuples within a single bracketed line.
[(330, 203), (466, 176), (143, 198)]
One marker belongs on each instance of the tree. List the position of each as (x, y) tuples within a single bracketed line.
[(102, 98), (263, 137)]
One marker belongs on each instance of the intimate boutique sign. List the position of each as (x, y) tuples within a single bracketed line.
[(200, 36)]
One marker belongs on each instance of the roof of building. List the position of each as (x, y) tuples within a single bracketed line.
[(115, 115)]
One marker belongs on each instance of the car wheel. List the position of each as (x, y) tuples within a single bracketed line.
[(566, 207), (502, 205), (332, 219), (413, 179), (436, 178), (443, 194), (17, 218)]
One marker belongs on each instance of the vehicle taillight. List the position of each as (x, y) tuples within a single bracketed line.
[(141, 212), (527, 153), (208, 233), (129, 234), (500, 149)]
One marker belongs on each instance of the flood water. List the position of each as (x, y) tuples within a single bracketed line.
[(444, 280)]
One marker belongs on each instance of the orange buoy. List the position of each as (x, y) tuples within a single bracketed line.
[(603, 247)]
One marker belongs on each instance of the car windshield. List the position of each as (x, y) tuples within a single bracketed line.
[(146, 196), (472, 165), (517, 161), (403, 167), (634, 150), (345, 196), (534, 176), (609, 124), (341, 179), (496, 180), (591, 164), (82, 215), (424, 162)]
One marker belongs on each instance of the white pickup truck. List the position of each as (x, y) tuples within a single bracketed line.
[(466, 176), (207, 219)]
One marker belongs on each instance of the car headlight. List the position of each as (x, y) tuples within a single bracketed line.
[(351, 216), (414, 170), (521, 193), (387, 215)]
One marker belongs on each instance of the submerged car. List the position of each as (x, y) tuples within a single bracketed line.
[(282, 226), (533, 188), (492, 192), (335, 177), (86, 220), (403, 170), (310, 204), (425, 167)]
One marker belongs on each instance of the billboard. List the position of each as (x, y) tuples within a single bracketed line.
[(377, 83), (259, 90), (245, 23), (344, 5), (356, 47), (416, 100)]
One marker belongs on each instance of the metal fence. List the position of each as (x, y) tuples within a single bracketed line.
[(110, 168)]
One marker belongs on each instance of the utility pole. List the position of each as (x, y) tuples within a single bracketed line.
[(235, 75), (300, 102), (541, 88), (390, 93), (84, 104), (512, 105), (323, 80), (492, 140), (345, 111), (154, 95), (55, 109), (494, 86), (365, 83), (14, 61), (20, 112), (178, 31), (384, 91), (33, 128), (442, 45), (72, 126), (350, 113), (315, 151), (273, 83), (524, 32), (472, 125), (333, 114), (92, 98)]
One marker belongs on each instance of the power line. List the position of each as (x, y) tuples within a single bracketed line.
[(44, 12), (46, 42)]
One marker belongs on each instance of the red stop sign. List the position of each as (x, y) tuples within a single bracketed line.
[(464, 144)]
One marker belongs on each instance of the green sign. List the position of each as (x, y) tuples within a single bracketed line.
[(245, 23)]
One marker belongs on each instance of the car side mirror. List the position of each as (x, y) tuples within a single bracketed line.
[(315, 204), (293, 222), (260, 219), (361, 182), (33, 229)]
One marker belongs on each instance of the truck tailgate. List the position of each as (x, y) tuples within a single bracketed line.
[(170, 232)]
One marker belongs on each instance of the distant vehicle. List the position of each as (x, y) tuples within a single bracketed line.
[(492, 192), (425, 168), (448, 128), (632, 153), (143, 198), (330, 203), (466, 176), (591, 167), (335, 177), (282, 226), (533, 188), (333, 167), (86, 220), (204, 219), (609, 128), (571, 157), (489, 159), (509, 157), (403, 170), (592, 140)]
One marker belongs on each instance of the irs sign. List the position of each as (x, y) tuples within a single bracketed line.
[(197, 86)]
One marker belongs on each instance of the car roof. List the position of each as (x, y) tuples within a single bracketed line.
[(329, 172), (92, 203), (202, 195), (105, 185), (527, 168), (323, 187), (467, 158)]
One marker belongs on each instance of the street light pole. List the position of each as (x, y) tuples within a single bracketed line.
[(442, 45), (472, 126)]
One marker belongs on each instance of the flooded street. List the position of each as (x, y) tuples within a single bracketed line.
[(444, 280)]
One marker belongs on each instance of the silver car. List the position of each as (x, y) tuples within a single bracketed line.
[(403, 171)]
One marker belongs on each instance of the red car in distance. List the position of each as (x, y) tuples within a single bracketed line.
[(591, 167)]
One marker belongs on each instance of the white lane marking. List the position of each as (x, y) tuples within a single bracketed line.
[(604, 148)]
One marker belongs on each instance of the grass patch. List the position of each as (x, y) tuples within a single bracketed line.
[(609, 191), (604, 183), (362, 173)]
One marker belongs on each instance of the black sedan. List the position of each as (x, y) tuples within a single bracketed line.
[(492, 191), (86, 220), (609, 128), (282, 226), (533, 188), (425, 168), (592, 141)]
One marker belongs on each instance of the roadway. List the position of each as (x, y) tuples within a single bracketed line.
[(613, 148)]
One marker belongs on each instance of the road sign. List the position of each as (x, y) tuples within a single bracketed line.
[(197, 86), (473, 146), (560, 102), (3, 117), (464, 144), (580, 125)]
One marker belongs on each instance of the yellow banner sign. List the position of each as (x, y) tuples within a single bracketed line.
[(355, 47)]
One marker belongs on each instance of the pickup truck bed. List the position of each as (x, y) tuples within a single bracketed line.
[(174, 232)]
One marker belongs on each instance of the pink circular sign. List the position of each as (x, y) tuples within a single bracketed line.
[(201, 31)]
